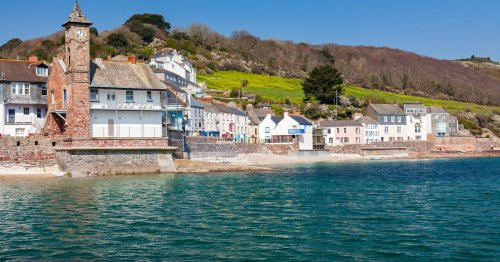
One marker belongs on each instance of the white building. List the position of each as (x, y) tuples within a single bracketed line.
[(391, 121), (372, 131), (211, 116), (23, 96), (288, 129), (418, 124), (172, 67), (195, 122), (125, 100), (233, 123)]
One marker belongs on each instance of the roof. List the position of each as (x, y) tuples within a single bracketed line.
[(230, 110), (175, 87), (276, 119), (436, 110), (108, 74), (195, 103), (209, 107), (238, 112), (387, 109), (258, 114), (336, 123), (77, 16), (20, 71), (173, 99), (301, 120), (366, 120)]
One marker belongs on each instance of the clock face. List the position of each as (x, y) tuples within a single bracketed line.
[(80, 33)]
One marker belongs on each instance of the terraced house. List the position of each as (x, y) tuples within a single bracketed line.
[(23, 96), (391, 121)]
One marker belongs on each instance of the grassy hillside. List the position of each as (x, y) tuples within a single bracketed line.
[(277, 89)]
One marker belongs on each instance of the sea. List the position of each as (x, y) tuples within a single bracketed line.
[(426, 210)]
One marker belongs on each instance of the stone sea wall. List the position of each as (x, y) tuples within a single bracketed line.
[(87, 162), (36, 151)]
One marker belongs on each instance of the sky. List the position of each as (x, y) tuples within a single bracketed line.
[(446, 29)]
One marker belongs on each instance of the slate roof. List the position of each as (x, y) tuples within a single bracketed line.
[(123, 75), (301, 120), (20, 71), (175, 87), (238, 112), (195, 103), (366, 120), (173, 99), (336, 123), (230, 110), (276, 119), (209, 107), (77, 16), (387, 109), (436, 110)]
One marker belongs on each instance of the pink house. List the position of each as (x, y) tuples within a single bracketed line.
[(343, 132)]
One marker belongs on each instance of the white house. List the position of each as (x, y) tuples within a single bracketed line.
[(288, 129), (372, 132), (418, 124), (391, 121), (195, 122), (23, 96), (233, 123), (125, 100), (172, 67), (211, 116)]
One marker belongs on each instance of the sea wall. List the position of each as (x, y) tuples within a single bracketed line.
[(35, 151), (205, 147), (81, 162)]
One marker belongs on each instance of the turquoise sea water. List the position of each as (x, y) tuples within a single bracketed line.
[(414, 210)]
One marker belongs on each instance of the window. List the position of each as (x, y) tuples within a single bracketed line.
[(268, 130), (392, 119), (150, 96), (391, 138), (129, 96), (330, 140), (329, 130), (385, 119), (357, 130), (94, 94), (26, 111), (20, 88), (111, 96), (42, 71), (399, 129), (386, 129), (44, 90), (418, 137), (338, 130), (345, 130), (400, 138), (358, 140), (39, 113), (399, 119), (417, 129), (19, 131)]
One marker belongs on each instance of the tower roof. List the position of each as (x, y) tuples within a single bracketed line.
[(77, 16)]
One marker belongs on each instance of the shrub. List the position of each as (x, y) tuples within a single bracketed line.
[(277, 109), (117, 40), (235, 93)]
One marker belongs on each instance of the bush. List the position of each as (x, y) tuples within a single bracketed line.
[(235, 93), (152, 19)]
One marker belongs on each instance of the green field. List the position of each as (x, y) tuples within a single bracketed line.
[(278, 88)]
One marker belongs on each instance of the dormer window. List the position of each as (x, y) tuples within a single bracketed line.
[(42, 71)]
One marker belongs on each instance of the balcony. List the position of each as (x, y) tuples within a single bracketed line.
[(125, 106)]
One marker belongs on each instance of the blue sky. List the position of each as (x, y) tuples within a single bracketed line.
[(439, 28)]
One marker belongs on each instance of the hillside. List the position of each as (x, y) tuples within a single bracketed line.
[(370, 67), (277, 89)]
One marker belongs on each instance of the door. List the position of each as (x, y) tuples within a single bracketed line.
[(111, 127), (12, 116)]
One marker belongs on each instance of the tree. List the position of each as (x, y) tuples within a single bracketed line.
[(244, 83), (152, 19), (146, 53), (117, 40), (94, 31), (147, 33), (11, 44), (323, 83)]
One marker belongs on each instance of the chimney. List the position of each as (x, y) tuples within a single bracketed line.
[(285, 114), (33, 59), (132, 59)]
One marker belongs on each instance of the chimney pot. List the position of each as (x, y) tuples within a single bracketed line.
[(33, 59)]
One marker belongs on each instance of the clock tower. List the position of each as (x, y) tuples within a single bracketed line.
[(77, 60)]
